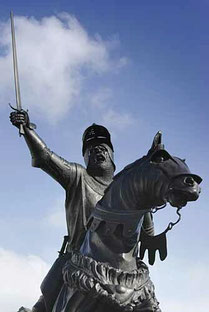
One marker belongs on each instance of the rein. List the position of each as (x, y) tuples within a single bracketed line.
[(171, 224), (155, 242)]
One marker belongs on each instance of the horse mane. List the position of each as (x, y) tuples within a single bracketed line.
[(127, 168), (136, 163)]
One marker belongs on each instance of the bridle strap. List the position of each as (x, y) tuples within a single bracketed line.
[(155, 242)]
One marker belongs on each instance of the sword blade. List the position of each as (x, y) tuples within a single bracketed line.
[(16, 76)]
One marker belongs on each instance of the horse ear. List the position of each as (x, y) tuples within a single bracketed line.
[(157, 142)]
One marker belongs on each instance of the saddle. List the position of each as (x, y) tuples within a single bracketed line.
[(129, 291)]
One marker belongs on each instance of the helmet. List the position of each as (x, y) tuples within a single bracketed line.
[(96, 134)]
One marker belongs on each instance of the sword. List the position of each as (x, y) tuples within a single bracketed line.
[(64, 244), (16, 77)]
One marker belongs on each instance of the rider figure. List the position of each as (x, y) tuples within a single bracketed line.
[(84, 188)]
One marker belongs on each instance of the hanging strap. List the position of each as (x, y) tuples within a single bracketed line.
[(156, 242)]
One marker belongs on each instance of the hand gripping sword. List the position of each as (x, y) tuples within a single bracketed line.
[(16, 77)]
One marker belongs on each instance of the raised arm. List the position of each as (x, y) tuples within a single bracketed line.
[(57, 167)]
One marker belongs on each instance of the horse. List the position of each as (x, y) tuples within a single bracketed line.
[(107, 273)]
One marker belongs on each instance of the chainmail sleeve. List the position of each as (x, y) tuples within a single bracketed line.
[(57, 167)]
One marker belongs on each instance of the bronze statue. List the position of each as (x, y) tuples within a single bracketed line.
[(100, 264), (102, 268)]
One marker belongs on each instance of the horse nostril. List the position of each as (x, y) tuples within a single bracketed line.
[(189, 181)]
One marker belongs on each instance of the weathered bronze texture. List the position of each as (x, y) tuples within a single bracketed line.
[(100, 268)]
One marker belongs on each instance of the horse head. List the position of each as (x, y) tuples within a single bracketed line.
[(172, 179), (152, 181)]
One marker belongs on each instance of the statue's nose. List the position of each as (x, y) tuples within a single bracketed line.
[(195, 190), (189, 181)]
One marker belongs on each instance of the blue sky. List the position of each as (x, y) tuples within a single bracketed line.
[(135, 66)]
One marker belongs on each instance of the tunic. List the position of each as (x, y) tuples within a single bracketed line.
[(82, 194), (83, 191)]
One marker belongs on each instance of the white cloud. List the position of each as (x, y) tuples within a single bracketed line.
[(56, 216), (21, 276), (119, 120), (54, 54), (100, 99), (101, 102), (181, 285)]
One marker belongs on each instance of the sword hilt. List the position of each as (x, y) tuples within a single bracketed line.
[(64, 244), (21, 128)]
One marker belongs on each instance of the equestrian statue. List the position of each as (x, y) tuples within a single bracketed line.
[(109, 219), (109, 222)]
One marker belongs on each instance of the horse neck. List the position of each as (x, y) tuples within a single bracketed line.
[(127, 192), (138, 186)]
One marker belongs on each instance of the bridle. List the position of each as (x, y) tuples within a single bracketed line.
[(171, 224)]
